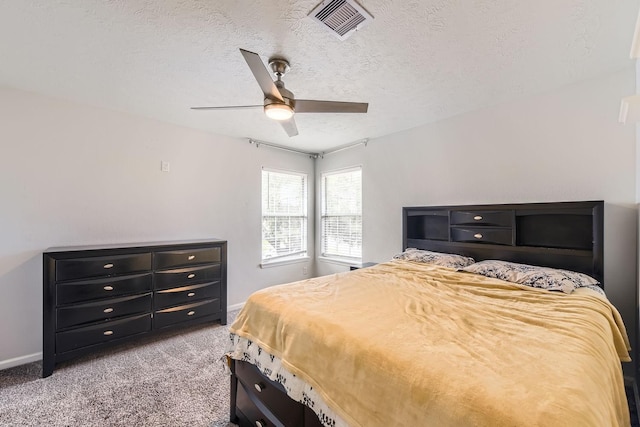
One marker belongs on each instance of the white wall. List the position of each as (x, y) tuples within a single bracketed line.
[(74, 175), (560, 146)]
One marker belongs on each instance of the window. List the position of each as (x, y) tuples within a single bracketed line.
[(342, 215), (284, 215)]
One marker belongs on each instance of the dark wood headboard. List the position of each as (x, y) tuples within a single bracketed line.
[(567, 235)]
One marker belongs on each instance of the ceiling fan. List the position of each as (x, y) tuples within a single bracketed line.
[(279, 103)]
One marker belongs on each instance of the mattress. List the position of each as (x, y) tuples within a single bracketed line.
[(406, 343)]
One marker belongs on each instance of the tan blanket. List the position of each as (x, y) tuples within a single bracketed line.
[(408, 344)]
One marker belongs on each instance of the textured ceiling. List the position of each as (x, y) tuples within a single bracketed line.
[(415, 63)]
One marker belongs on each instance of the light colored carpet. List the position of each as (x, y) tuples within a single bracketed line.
[(173, 379)]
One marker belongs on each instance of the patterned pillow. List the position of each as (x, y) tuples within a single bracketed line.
[(538, 277), (437, 258)]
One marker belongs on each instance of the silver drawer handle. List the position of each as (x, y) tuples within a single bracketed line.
[(191, 257), (191, 313), (478, 236), (108, 310), (191, 294), (191, 276), (107, 333), (108, 288), (477, 217), (259, 387), (108, 266)]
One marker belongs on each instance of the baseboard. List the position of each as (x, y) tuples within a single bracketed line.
[(235, 306), (22, 360)]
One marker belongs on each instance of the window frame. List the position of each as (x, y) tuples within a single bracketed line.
[(292, 257), (327, 256)]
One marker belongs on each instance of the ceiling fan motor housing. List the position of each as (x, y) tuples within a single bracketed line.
[(287, 96), (280, 67)]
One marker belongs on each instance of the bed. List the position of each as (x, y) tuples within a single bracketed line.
[(490, 315)]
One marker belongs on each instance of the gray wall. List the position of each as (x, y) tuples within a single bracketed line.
[(564, 145), (74, 175)]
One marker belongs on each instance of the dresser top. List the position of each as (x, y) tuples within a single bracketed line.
[(212, 240)]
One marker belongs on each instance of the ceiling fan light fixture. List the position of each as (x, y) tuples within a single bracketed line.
[(278, 111)]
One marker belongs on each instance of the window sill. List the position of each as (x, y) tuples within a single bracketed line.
[(269, 264), (341, 261)]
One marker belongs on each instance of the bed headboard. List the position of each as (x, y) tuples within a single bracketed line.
[(567, 235)]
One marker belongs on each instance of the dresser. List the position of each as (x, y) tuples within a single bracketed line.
[(99, 296)]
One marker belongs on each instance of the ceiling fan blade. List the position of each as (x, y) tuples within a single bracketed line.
[(229, 107), (312, 106), (290, 127), (262, 75)]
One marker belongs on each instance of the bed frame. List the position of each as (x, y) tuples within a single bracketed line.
[(567, 235)]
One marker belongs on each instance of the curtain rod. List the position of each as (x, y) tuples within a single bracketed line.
[(280, 147), (307, 153), (345, 147)]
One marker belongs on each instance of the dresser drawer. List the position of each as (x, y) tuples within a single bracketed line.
[(495, 218), (186, 276), (103, 332), (80, 268), (79, 314), (270, 393), (182, 313), (70, 292), (185, 258), (186, 294), (497, 236)]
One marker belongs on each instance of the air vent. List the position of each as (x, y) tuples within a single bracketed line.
[(341, 17)]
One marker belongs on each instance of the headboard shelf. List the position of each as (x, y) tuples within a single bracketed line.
[(566, 235)]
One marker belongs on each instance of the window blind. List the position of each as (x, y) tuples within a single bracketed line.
[(284, 215), (342, 214)]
